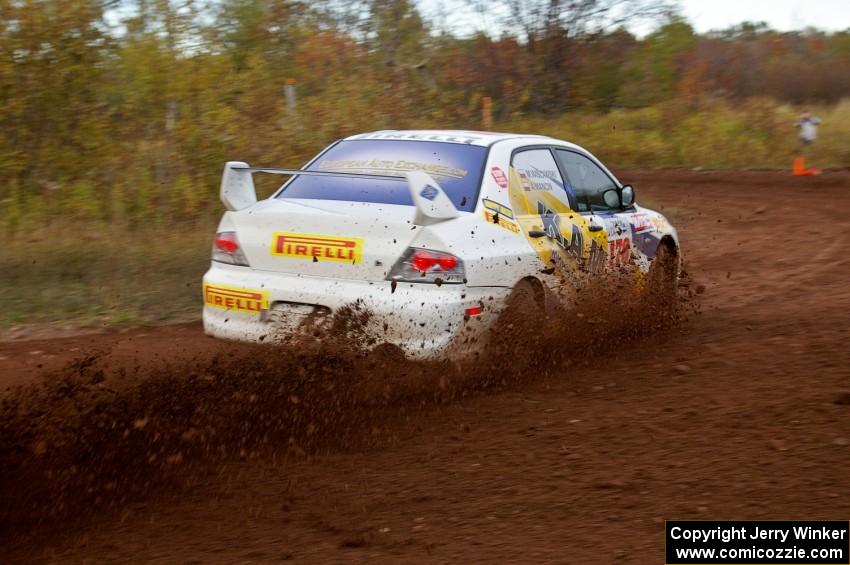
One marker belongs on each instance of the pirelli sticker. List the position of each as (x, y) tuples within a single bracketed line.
[(237, 299), (317, 247), (500, 215), (500, 221), (497, 208)]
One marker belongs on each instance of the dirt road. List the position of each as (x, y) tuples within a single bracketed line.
[(740, 412)]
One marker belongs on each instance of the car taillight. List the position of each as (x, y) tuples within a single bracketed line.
[(226, 249), (427, 266), (226, 244), (424, 261)]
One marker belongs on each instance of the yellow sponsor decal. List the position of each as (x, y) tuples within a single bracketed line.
[(497, 208), (317, 247), (236, 298), (568, 240), (500, 221)]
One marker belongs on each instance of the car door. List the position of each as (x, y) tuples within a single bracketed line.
[(565, 240), (597, 197)]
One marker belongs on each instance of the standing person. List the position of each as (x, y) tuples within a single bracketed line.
[(808, 126)]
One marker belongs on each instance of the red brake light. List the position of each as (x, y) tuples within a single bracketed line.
[(448, 262), (226, 242), (419, 265), (226, 249), (424, 261)]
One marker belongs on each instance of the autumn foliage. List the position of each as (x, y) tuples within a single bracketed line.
[(125, 111)]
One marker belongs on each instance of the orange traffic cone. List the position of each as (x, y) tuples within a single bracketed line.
[(798, 169)]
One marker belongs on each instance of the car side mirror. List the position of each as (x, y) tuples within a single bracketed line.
[(611, 198), (627, 196)]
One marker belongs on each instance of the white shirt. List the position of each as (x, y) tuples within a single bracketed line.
[(808, 128)]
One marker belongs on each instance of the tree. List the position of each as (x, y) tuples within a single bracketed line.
[(662, 61), (553, 30)]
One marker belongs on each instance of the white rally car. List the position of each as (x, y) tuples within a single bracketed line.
[(425, 234)]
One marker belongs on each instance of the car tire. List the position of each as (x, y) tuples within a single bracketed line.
[(662, 280), (524, 313)]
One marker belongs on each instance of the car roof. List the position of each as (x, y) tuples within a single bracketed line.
[(481, 138)]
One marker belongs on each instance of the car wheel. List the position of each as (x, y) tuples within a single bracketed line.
[(524, 314), (663, 277)]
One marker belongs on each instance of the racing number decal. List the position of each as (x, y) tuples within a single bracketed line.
[(620, 253)]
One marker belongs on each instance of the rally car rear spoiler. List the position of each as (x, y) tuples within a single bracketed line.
[(432, 203)]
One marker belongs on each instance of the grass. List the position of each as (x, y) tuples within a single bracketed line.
[(102, 275)]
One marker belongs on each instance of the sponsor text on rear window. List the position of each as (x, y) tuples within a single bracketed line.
[(457, 169)]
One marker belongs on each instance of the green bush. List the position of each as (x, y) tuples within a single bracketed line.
[(756, 134)]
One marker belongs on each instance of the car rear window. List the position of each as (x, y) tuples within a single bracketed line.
[(456, 167)]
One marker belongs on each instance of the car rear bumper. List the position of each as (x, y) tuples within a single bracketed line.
[(424, 320)]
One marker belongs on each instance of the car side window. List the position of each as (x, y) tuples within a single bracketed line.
[(538, 171), (588, 181)]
